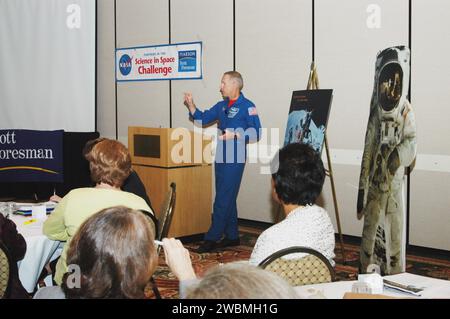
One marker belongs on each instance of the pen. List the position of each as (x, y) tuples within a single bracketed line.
[(159, 243)]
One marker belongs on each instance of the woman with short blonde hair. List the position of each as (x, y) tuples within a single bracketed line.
[(110, 164)]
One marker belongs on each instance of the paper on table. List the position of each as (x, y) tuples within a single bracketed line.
[(39, 211)]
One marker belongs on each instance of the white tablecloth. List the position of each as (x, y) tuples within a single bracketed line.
[(40, 250), (433, 288)]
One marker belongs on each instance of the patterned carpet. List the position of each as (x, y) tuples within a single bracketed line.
[(168, 284)]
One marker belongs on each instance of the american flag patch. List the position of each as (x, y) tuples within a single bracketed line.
[(252, 111)]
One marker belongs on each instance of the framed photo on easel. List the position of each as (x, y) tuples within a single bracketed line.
[(308, 117)]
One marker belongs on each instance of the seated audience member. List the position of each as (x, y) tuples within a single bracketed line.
[(16, 245), (116, 255), (110, 165), (132, 184), (297, 180), (237, 280)]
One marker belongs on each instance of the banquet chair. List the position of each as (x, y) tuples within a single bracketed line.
[(154, 220), (5, 271), (162, 226), (156, 224), (313, 268), (167, 209)]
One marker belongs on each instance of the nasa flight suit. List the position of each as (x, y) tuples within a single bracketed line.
[(390, 146), (242, 118)]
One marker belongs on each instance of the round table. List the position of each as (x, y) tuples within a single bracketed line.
[(40, 250)]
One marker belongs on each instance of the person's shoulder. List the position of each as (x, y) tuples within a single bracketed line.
[(272, 231), (219, 104), (315, 209), (54, 292), (135, 201), (321, 215), (91, 193), (77, 192), (3, 220), (248, 103), (80, 190)]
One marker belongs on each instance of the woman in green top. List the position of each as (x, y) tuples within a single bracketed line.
[(110, 165)]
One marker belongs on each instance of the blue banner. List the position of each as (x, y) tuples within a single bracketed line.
[(31, 156)]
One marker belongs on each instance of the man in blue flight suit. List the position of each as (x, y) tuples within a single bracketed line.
[(238, 124)]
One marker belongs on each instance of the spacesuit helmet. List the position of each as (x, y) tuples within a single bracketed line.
[(391, 92), (391, 72), (390, 84)]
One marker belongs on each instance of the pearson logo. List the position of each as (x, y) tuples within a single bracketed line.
[(187, 61), (125, 64)]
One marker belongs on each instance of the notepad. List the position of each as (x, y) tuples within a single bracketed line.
[(25, 209)]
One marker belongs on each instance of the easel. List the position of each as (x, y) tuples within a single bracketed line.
[(313, 84)]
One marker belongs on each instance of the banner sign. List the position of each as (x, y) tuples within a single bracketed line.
[(31, 156), (159, 62)]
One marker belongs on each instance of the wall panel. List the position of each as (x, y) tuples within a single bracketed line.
[(211, 22), (273, 53), (346, 48), (430, 181), (143, 103), (106, 101)]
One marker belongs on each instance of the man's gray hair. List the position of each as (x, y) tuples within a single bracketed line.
[(237, 77), (239, 280)]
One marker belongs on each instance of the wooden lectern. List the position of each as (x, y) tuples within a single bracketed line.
[(161, 156)]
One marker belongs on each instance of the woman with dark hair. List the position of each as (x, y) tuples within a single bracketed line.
[(110, 165), (112, 255), (297, 180)]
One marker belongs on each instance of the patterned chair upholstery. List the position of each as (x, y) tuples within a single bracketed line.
[(5, 271), (311, 269)]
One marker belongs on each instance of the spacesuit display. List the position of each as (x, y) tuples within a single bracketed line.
[(390, 146)]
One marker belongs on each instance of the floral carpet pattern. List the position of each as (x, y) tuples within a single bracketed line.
[(168, 284)]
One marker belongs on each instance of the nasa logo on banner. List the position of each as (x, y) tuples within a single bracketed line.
[(125, 64)]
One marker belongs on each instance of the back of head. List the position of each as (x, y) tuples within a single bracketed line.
[(298, 174), (109, 162), (237, 77), (115, 252), (240, 280), (90, 144)]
